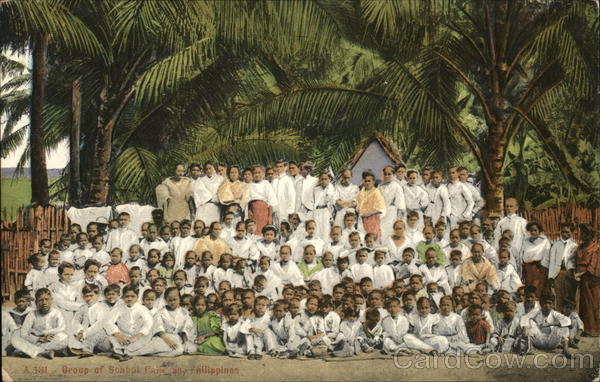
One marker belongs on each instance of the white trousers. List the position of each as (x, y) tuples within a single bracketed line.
[(59, 342)]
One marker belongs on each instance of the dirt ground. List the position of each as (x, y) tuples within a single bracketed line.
[(540, 366)]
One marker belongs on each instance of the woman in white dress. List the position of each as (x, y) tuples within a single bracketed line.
[(172, 195)]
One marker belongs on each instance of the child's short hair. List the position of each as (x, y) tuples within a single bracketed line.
[(547, 297), (228, 310), (90, 288), (422, 300), (412, 214), (455, 288), (201, 279), (157, 280), (474, 308), (64, 265), (21, 293), (112, 288), (147, 292), (42, 291), (342, 260), (260, 278), (389, 302), (182, 272), (123, 214), (416, 276), (268, 228), (90, 262), (135, 268), (35, 258), (372, 314), (530, 289), (409, 250), (261, 298), (365, 280), (456, 253), (130, 288), (447, 297)]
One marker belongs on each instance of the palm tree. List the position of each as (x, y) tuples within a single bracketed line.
[(30, 25)]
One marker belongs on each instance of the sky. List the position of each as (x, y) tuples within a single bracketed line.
[(54, 159)]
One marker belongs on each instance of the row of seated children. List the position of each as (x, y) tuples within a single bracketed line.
[(303, 322)]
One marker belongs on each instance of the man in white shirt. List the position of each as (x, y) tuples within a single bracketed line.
[(561, 266), (479, 202), (346, 193), (304, 189), (512, 222), (439, 208), (395, 204), (461, 199), (285, 192)]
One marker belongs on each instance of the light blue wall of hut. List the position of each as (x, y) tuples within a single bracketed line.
[(373, 158)]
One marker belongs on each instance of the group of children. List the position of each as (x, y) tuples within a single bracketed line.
[(184, 287)]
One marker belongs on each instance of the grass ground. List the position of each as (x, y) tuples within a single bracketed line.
[(15, 193), (539, 366)]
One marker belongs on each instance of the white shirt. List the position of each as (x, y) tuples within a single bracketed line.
[(383, 276), (536, 250), (263, 190), (461, 200), (361, 270), (393, 194), (516, 225), (416, 198), (562, 253), (157, 243), (285, 192), (37, 324), (123, 238), (439, 205), (304, 187), (508, 278), (130, 320)]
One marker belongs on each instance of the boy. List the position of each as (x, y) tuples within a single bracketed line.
[(129, 326), (43, 331), (189, 267), (383, 274), (370, 334), (335, 245), (430, 244), (233, 338), (395, 327), (349, 228), (323, 199), (99, 254), (285, 269), (453, 269), (66, 292), (361, 268), (309, 239), (420, 336), (561, 266), (329, 275), (282, 329), (266, 246), (81, 254), (548, 329), (415, 287), (433, 271), (309, 266), (22, 307), (455, 244), (412, 231), (51, 271), (507, 329), (35, 277), (408, 266), (478, 329), (256, 330), (88, 332), (92, 276), (122, 237), (508, 278)]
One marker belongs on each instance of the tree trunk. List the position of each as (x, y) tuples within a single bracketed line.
[(39, 173), (74, 178), (494, 192), (98, 192), (110, 110)]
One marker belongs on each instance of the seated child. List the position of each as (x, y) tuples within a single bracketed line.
[(311, 326), (310, 265), (478, 329), (66, 293), (452, 326), (347, 339), (507, 329), (576, 326), (89, 334), (507, 275), (408, 266), (51, 271), (173, 328), (92, 276), (420, 336), (330, 318), (180, 282), (166, 269), (370, 335), (43, 331), (208, 328), (361, 268), (13, 318), (395, 327), (282, 329), (548, 329), (415, 287), (129, 326), (149, 301), (453, 269), (256, 330), (233, 338)]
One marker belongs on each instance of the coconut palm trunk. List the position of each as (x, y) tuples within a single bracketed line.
[(39, 174)]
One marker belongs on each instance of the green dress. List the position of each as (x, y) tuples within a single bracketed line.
[(209, 322), (167, 274)]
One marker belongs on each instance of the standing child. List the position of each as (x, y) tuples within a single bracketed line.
[(224, 270), (508, 277), (99, 254), (117, 272), (383, 274), (208, 328), (576, 326), (361, 268), (121, 237), (166, 269), (35, 277), (43, 331), (51, 271)]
